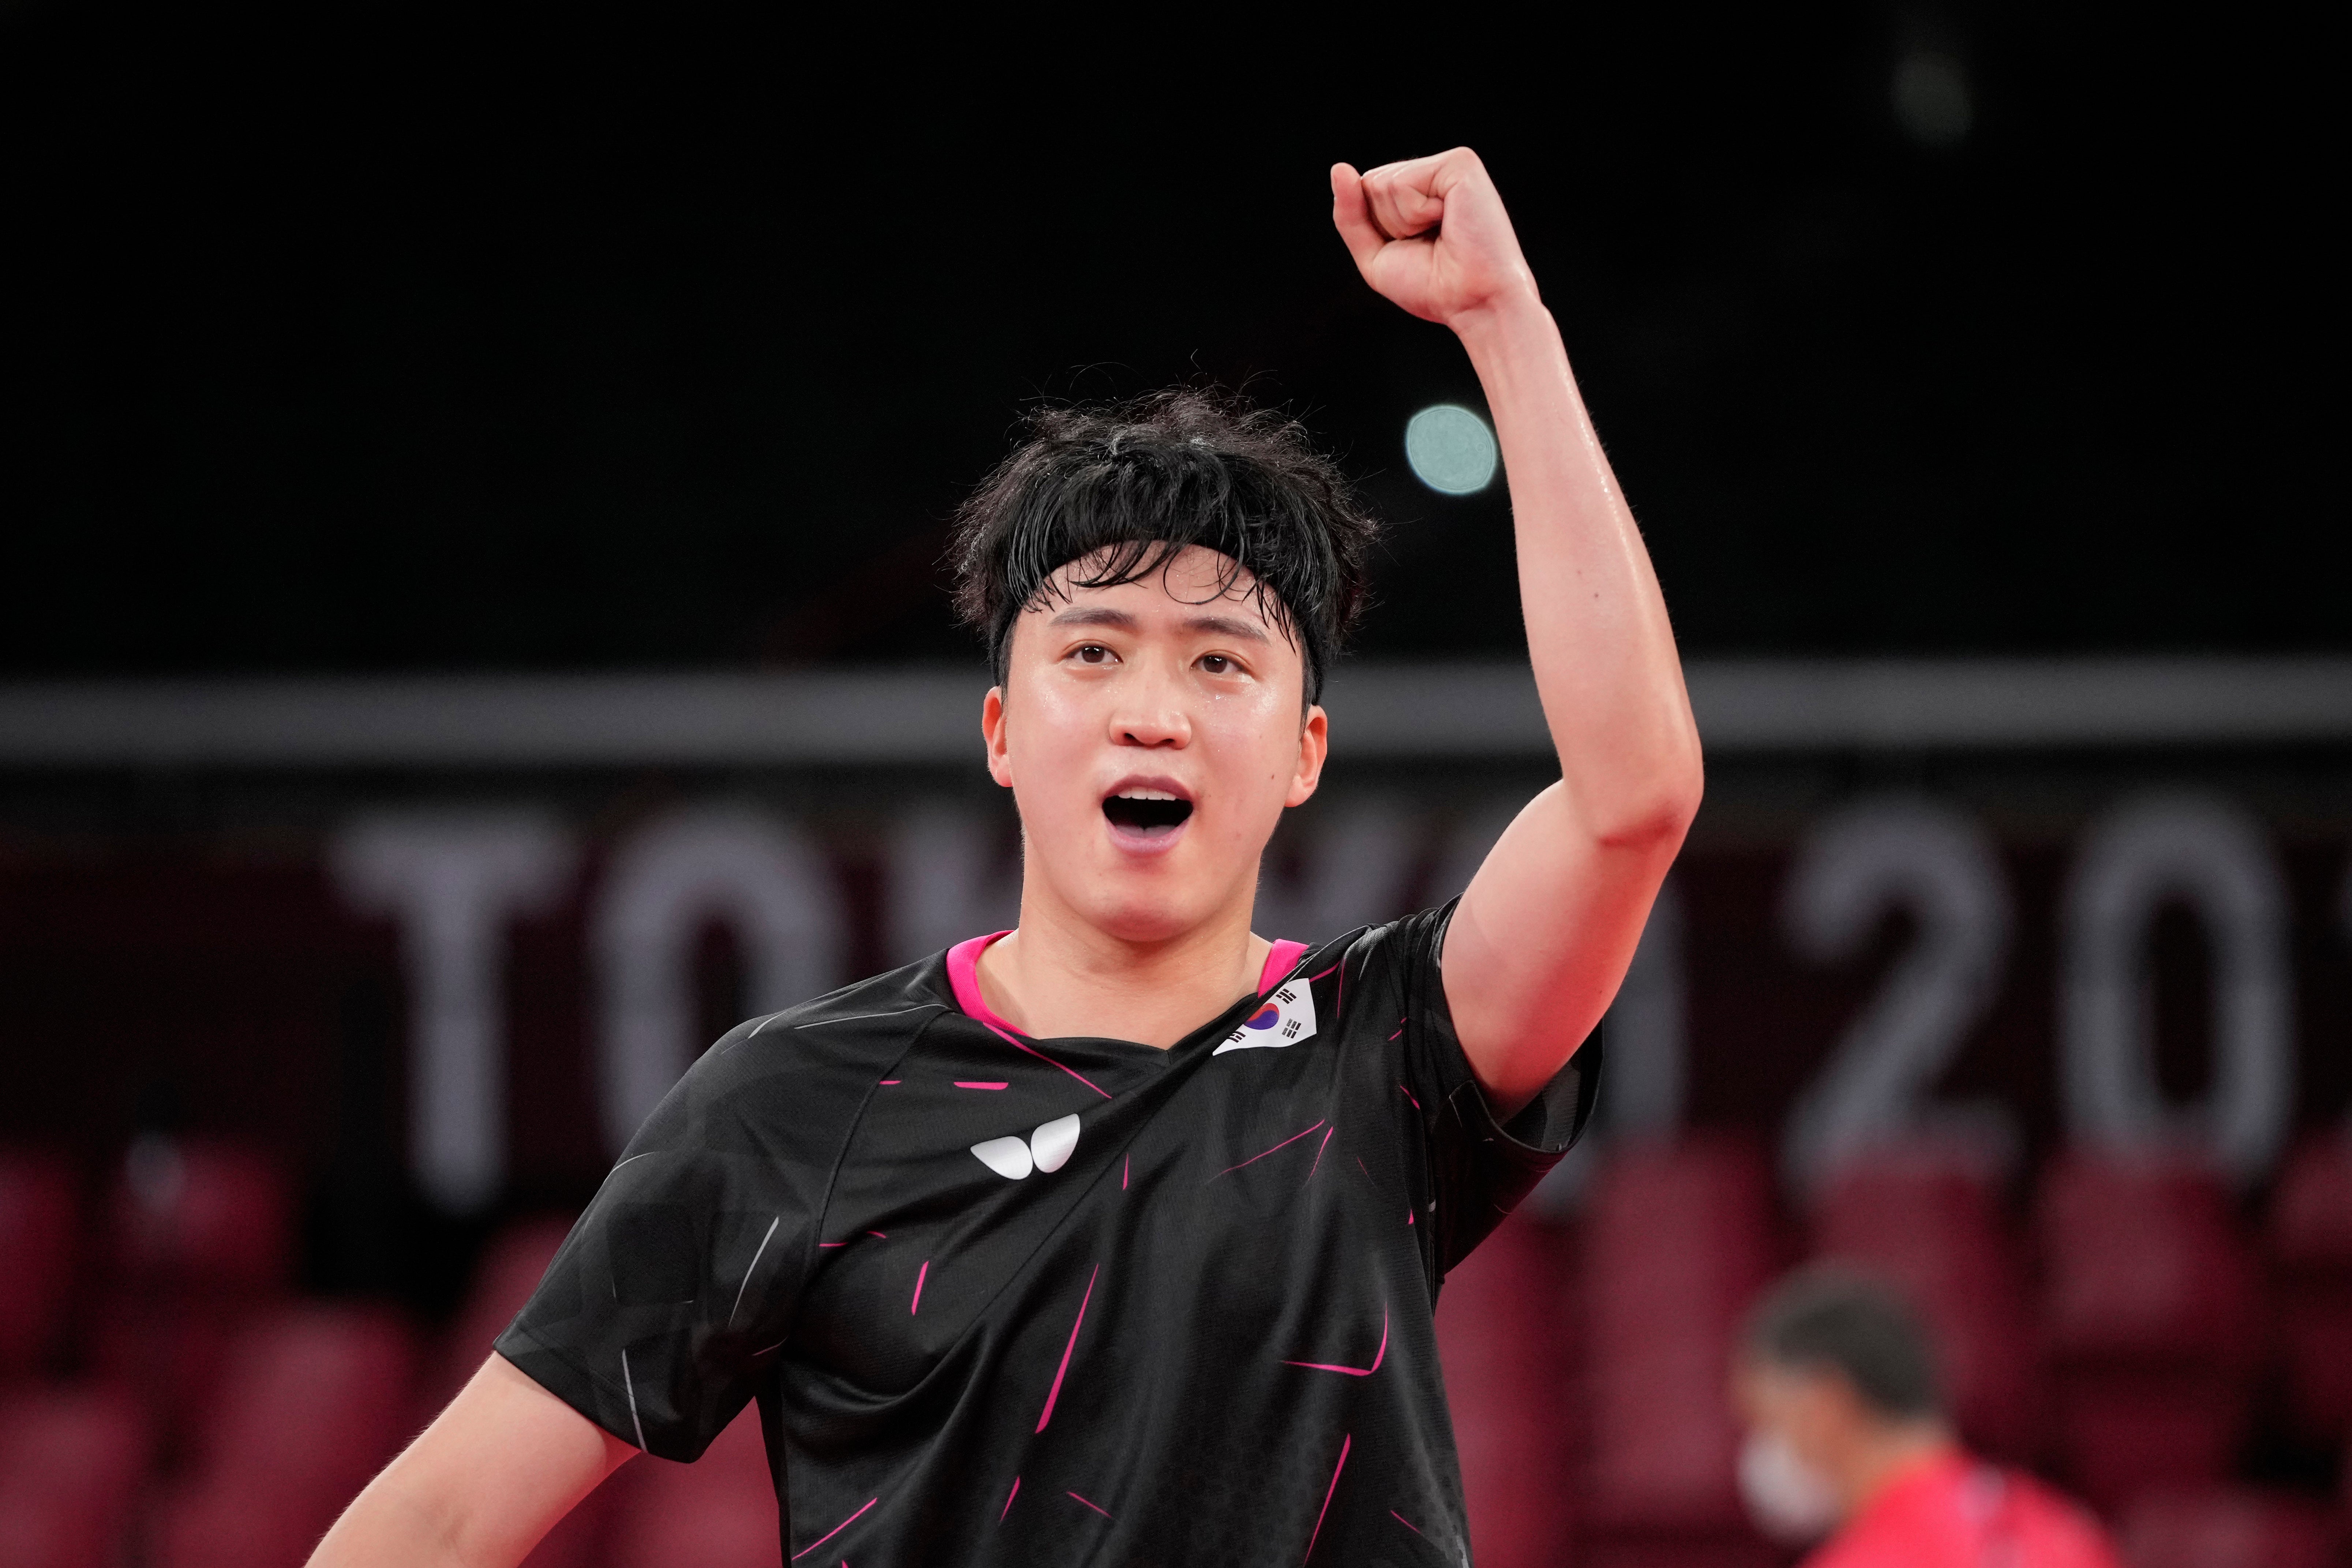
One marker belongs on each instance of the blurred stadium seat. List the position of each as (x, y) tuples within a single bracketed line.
[(1679, 1238), (2150, 1315), (202, 1215), (1502, 1335), (2311, 1254), (1930, 1226), (314, 1399), (717, 1512), (203, 1239), (37, 1234), (2227, 1528), (71, 1461)]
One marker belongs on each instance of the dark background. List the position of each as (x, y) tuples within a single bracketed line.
[(422, 339)]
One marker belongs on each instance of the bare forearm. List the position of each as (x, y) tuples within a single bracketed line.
[(390, 1526), (1546, 928), (1596, 629), (478, 1486)]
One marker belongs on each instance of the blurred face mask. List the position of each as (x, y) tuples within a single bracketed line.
[(1789, 1500)]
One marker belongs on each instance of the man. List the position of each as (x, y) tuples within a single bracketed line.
[(1846, 1432), (1115, 1238)]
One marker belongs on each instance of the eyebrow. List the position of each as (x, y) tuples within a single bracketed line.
[(1104, 616)]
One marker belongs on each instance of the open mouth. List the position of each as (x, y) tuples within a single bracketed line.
[(1150, 812)]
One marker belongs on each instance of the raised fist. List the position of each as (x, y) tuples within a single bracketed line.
[(1432, 234)]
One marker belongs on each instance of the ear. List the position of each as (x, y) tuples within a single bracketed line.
[(992, 736), (1313, 745)]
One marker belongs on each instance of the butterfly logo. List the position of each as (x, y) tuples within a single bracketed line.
[(1048, 1149)]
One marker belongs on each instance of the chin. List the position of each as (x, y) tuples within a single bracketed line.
[(1145, 918), (1145, 909)]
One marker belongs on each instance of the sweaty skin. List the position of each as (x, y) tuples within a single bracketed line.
[(1144, 942)]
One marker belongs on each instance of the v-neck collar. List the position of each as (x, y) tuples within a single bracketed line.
[(1282, 960)]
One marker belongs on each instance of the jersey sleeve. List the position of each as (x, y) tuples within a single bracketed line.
[(1477, 1168), (665, 1305)]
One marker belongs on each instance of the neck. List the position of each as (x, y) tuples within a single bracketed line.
[(1890, 1454), (1058, 975)]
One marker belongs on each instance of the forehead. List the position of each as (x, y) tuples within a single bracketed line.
[(1194, 578)]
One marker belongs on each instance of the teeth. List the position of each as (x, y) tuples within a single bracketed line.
[(1148, 795)]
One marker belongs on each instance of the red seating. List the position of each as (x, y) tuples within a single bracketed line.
[(1679, 1239), (1502, 1336), (36, 1237), (70, 1464), (717, 1512), (1931, 1227), (2227, 1528), (191, 1214), (2311, 1251), (314, 1401), (204, 1239), (2151, 1314)]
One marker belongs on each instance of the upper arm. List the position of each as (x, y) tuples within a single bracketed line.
[(1543, 937), (478, 1487), (675, 1294)]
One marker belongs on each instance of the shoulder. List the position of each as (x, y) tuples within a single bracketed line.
[(1395, 960), (868, 1018), (825, 1053)]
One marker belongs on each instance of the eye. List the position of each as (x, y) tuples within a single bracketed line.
[(1218, 664), (1094, 653)]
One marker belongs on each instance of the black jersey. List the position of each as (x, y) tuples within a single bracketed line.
[(1033, 1302)]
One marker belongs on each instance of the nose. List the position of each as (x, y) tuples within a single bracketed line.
[(1150, 714)]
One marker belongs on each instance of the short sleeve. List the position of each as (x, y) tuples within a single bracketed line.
[(665, 1305), (1478, 1168)]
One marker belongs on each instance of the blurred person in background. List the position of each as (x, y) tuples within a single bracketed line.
[(1848, 1438)]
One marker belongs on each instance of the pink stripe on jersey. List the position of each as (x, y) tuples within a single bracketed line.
[(1347, 1440), (1280, 960), (853, 1519), (1262, 1154), (963, 977), (1055, 1393), (1378, 1356)]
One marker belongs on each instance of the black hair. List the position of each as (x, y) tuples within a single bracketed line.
[(1125, 486), (1828, 1318)]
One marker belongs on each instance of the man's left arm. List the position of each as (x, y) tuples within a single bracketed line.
[(1544, 933)]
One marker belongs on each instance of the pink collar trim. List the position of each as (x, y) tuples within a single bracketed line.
[(963, 975), (1280, 961)]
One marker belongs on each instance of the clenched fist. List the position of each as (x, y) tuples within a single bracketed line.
[(1430, 234)]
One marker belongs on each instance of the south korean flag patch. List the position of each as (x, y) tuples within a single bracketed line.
[(1286, 1018)]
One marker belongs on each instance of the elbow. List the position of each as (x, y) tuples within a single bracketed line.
[(1654, 820)]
